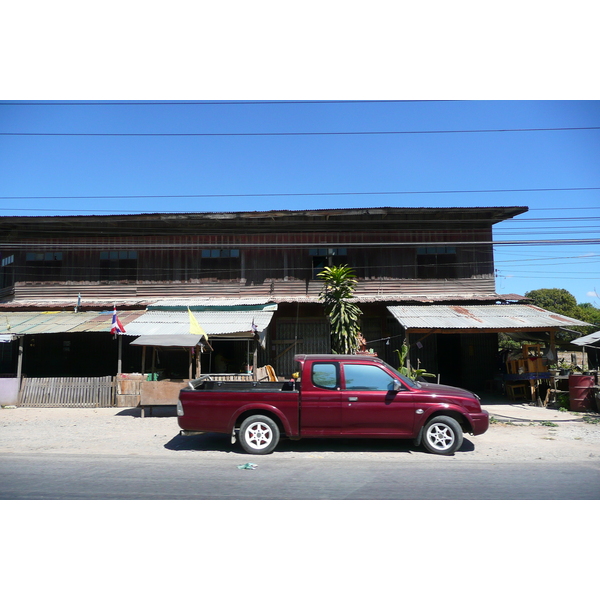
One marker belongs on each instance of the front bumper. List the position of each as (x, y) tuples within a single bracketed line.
[(480, 422)]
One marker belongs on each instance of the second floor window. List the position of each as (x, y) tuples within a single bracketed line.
[(436, 262), (7, 271), (326, 257), (116, 265), (43, 266), (220, 263)]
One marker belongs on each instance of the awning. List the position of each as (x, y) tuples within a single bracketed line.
[(39, 322), (223, 324), (185, 341), (7, 337), (593, 339), (492, 318)]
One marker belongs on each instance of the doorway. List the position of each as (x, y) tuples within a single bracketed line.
[(449, 358)]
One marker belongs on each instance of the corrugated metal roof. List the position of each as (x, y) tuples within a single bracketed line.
[(587, 340), (33, 323), (498, 317), (199, 303), (238, 323)]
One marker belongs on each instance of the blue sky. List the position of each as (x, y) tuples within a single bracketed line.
[(366, 154)]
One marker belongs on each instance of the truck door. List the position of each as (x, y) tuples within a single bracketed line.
[(371, 406), (321, 401)]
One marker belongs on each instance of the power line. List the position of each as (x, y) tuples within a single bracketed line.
[(298, 194), (207, 102), (284, 245), (301, 133)]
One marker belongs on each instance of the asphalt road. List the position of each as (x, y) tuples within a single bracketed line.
[(278, 477)]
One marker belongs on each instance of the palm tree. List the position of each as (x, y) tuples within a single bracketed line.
[(343, 314)]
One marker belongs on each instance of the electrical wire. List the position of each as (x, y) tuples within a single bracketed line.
[(299, 133), (302, 194)]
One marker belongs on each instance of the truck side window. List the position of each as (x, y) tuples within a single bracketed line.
[(367, 377), (325, 375)]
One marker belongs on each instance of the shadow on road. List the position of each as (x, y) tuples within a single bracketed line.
[(220, 442), (157, 411)]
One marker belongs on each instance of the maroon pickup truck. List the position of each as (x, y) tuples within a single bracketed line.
[(335, 397)]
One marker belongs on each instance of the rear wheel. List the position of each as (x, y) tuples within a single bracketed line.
[(442, 435), (259, 435)]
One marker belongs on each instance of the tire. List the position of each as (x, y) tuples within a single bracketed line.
[(442, 435), (259, 435)]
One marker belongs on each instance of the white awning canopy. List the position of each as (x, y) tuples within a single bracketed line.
[(593, 339), (184, 341), (217, 324)]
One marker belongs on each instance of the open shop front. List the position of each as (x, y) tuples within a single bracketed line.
[(227, 345), (459, 344), (60, 358)]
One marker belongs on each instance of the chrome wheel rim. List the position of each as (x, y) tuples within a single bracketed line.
[(258, 435), (440, 436)]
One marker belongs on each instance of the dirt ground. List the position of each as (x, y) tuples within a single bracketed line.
[(513, 436)]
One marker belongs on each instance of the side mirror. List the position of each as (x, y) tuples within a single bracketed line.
[(397, 386)]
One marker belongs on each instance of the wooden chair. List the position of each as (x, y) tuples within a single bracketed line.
[(516, 390)]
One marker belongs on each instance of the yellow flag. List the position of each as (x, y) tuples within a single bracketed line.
[(195, 326)]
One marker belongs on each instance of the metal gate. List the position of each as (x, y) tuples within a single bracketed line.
[(68, 392)]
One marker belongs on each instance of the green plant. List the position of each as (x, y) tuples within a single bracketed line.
[(563, 400), (591, 420), (409, 371), (342, 313), (549, 424)]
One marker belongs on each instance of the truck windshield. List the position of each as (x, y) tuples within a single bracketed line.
[(407, 380)]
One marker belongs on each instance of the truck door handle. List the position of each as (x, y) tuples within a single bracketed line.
[(352, 398)]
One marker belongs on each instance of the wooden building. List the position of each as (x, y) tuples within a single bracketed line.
[(226, 262)]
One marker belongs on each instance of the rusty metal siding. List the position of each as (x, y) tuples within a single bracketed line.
[(164, 263)]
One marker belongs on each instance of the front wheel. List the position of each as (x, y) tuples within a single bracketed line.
[(442, 435), (259, 435)]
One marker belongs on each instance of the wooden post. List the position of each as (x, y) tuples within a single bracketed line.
[(255, 361), (153, 361), (143, 360), (553, 347), (198, 363), (20, 359), (190, 373), (120, 355)]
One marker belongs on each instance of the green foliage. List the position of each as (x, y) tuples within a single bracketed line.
[(505, 342), (554, 299), (561, 301), (409, 372), (342, 313)]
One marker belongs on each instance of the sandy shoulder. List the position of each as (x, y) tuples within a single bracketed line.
[(121, 431)]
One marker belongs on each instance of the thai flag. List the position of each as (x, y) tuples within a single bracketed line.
[(117, 326)]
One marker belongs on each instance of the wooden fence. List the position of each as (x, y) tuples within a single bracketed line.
[(69, 392)]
